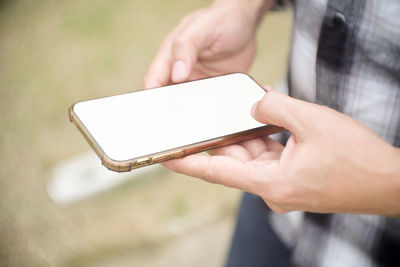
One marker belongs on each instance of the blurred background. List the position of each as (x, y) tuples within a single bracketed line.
[(55, 53)]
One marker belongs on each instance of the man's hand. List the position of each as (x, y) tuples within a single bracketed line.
[(331, 163), (208, 42)]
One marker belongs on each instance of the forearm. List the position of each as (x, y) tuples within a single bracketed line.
[(387, 179)]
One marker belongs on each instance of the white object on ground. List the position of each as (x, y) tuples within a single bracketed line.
[(84, 175)]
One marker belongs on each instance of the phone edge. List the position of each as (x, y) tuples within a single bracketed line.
[(179, 152), (146, 160)]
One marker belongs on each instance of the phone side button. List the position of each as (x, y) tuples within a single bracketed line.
[(142, 162), (167, 156)]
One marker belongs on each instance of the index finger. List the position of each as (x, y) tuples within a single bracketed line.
[(214, 169), (159, 73)]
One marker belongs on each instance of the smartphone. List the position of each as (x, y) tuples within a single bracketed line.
[(150, 126)]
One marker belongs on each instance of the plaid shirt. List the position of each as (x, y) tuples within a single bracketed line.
[(346, 55)]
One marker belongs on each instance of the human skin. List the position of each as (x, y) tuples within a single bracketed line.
[(208, 42), (331, 162)]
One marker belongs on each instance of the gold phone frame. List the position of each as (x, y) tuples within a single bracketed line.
[(131, 164)]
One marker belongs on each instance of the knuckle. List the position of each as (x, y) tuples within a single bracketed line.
[(282, 195), (183, 45), (208, 172), (208, 175), (179, 43)]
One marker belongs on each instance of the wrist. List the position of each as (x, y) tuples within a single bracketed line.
[(254, 8)]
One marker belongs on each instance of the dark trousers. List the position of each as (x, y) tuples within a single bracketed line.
[(254, 243)]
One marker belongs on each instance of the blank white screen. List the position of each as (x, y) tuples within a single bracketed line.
[(141, 123)]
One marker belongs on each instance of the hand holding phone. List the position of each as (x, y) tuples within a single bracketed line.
[(137, 129)]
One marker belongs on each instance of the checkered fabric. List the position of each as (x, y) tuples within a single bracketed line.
[(346, 55)]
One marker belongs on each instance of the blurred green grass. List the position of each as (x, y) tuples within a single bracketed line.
[(55, 53)]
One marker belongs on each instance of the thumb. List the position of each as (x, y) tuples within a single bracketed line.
[(284, 111), (184, 53)]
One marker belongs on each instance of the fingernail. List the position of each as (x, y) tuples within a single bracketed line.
[(179, 71), (253, 109)]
